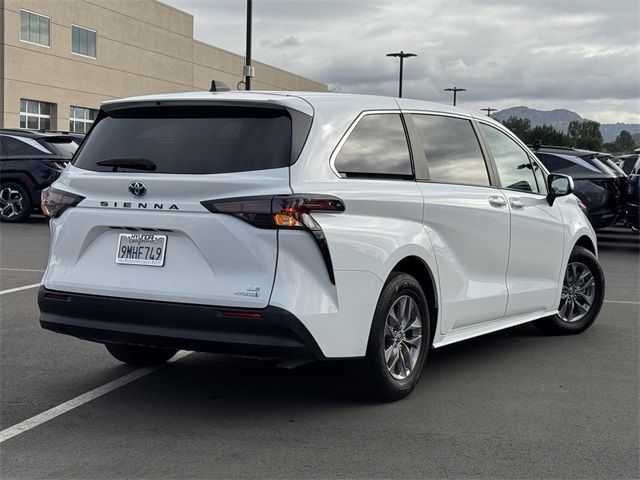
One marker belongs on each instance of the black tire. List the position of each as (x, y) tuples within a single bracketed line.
[(15, 203), (372, 377), (139, 356), (556, 324)]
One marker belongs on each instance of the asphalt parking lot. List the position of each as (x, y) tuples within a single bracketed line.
[(514, 404)]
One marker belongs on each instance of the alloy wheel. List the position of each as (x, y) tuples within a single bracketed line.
[(10, 203), (578, 292), (402, 337)]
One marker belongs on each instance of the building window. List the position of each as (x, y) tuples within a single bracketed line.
[(35, 28), (36, 115), (80, 118), (83, 41)]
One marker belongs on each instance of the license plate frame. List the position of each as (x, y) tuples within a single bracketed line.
[(141, 249)]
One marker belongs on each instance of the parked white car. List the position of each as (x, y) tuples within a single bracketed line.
[(311, 225)]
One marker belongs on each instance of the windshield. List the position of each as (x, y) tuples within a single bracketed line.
[(193, 139)]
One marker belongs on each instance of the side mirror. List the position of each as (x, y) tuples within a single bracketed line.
[(558, 185)]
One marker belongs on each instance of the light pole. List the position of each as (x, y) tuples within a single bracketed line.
[(247, 69), (455, 90), (489, 110), (402, 55)]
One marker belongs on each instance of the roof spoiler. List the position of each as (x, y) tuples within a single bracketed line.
[(218, 86)]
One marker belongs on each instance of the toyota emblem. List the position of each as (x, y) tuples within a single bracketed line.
[(137, 189)]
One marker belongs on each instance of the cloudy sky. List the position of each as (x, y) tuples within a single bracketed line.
[(583, 55)]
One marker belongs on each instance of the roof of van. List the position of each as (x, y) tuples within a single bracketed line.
[(298, 99)]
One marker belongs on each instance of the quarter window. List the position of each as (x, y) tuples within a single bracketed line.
[(376, 147), (83, 41), (35, 28), (35, 115), (452, 150), (80, 118), (514, 166)]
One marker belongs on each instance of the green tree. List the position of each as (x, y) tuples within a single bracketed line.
[(547, 135), (624, 142), (585, 134), (520, 127)]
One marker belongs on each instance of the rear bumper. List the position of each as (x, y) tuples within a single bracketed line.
[(205, 328)]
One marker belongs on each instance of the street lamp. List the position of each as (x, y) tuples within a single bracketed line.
[(489, 110), (247, 69), (455, 90), (402, 56)]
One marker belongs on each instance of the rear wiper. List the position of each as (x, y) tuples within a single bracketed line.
[(134, 163)]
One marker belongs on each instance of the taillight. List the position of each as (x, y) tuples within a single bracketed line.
[(283, 212), (53, 201)]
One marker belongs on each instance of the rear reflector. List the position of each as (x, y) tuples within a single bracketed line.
[(57, 296), (243, 314)]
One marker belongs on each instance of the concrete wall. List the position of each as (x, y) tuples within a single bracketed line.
[(143, 47)]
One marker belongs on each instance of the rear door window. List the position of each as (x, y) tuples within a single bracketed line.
[(452, 150), (194, 139), (376, 147)]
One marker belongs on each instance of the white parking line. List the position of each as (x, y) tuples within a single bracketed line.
[(624, 302), (26, 287), (65, 407), (31, 270)]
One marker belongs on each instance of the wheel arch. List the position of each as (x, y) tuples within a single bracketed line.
[(18, 177), (586, 242), (420, 270)]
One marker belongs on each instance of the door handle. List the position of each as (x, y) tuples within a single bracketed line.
[(497, 202), (516, 203)]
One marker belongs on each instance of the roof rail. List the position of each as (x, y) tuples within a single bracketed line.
[(557, 147)]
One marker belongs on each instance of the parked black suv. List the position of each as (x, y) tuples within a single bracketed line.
[(627, 162), (597, 188), (29, 162), (633, 197)]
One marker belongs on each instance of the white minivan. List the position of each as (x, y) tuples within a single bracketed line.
[(310, 225)]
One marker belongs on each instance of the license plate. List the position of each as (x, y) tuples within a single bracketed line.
[(141, 249)]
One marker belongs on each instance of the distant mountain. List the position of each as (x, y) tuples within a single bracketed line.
[(560, 119), (610, 131)]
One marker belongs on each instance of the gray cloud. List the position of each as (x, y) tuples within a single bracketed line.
[(577, 54)]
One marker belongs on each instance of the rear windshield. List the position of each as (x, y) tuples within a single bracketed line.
[(189, 139), (566, 165), (63, 147)]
